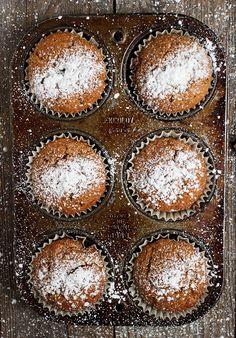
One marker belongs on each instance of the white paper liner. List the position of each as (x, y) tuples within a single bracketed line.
[(83, 112), (149, 109), (49, 209), (148, 308), (49, 307), (173, 215)]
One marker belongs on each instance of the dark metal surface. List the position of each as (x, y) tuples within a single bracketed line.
[(117, 125)]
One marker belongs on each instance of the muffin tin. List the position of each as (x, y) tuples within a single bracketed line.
[(117, 124)]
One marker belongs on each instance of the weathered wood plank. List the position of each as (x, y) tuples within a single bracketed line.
[(91, 332), (16, 18), (146, 6)]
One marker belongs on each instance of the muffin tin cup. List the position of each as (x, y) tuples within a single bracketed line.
[(161, 114), (85, 112), (109, 271), (76, 135), (176, 235), (197, 146)]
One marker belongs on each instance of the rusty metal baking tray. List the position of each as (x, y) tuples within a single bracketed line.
[(117, 225)]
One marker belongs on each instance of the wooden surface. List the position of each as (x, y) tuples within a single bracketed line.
[(17, 320)]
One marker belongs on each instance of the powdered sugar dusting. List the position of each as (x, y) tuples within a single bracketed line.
[(74, 73), (177, 72), (177, 274), (70, 276), (167, 178), (211, 50), (73, 176)]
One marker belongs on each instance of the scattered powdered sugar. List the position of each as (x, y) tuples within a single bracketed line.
[(212, 50), (70, 277), (177, 274), (73, 176), (177, 72), (73, 73), (168, 178)]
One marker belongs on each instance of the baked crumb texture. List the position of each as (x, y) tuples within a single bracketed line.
[(68, 277), (172, 73), (66, 73)]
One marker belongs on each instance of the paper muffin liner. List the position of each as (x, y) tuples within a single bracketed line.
[(109, 171), (198, 146), (96, 105), (107, 263), (159, 314), (160, 114)]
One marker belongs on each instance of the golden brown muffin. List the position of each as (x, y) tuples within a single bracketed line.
[(172, 73), (67, 276), (170, 275), (168, 175), (66, 72), (68, 176)]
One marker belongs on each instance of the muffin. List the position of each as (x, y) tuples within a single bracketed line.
[(168, 175), (170, 275), (67, 276), (172, 73), (66, 73), (67, 176)]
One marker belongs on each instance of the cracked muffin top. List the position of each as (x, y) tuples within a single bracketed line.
[(67, 276), (170, 275), (66, 72), (168, 175), (68, 176), (172, 73)]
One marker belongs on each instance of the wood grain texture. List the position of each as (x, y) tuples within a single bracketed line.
[(91, 332), (16, 18)]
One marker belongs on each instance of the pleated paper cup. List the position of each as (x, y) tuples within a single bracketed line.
[(43, 108), (196, 145), (142, 103), (42, 201), (88, 307), (140, 301)]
